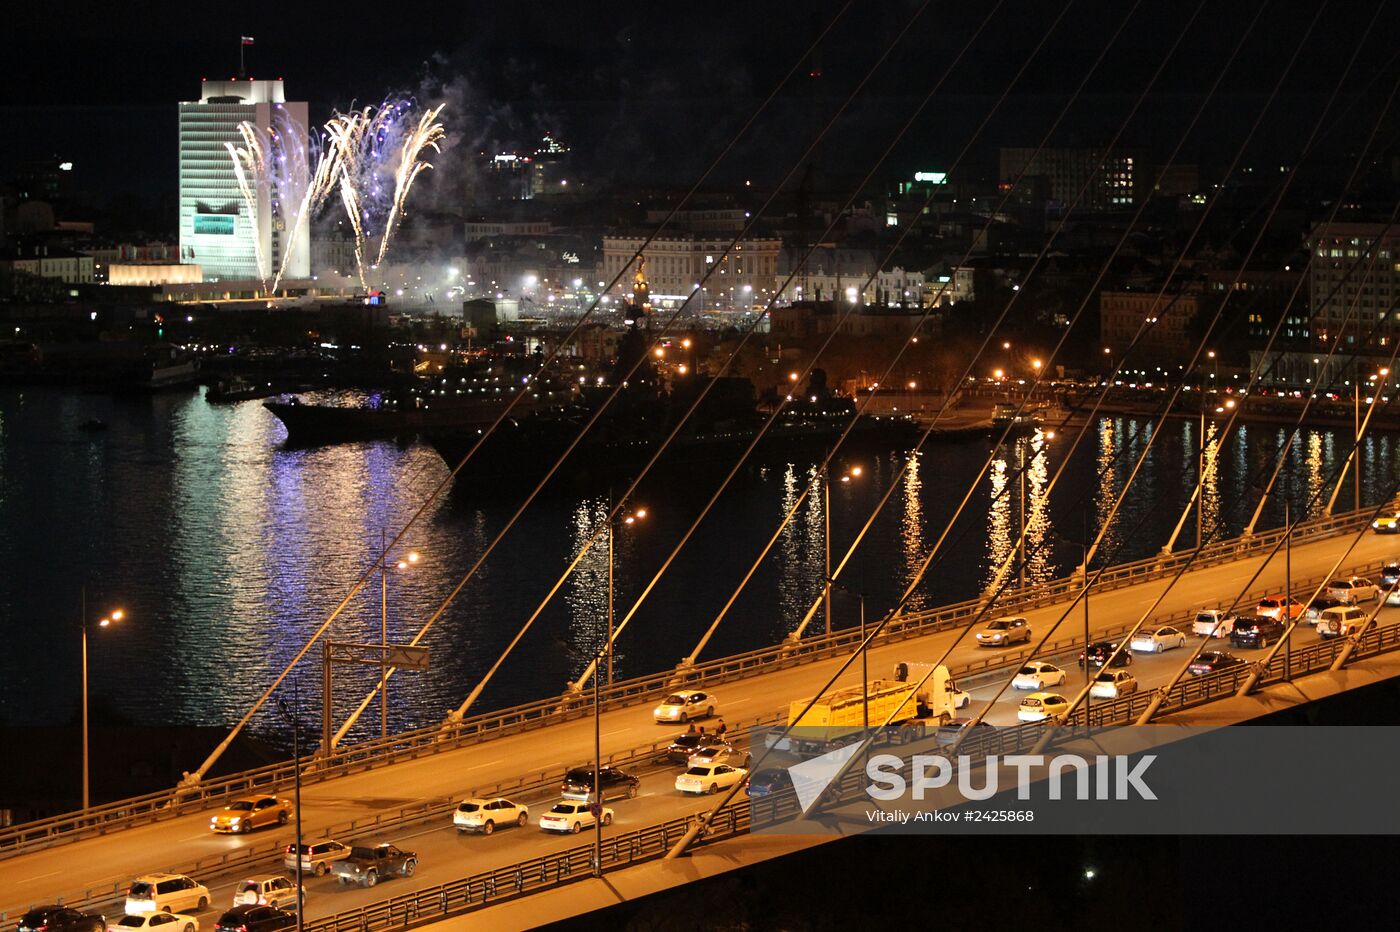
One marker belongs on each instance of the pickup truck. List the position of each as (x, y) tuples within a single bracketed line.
[(368, 866)]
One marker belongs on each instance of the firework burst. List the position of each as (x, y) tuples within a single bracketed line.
[(294, 171), (380, 153), (371, 156)]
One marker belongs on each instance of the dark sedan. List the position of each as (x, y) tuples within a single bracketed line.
[(61, 919), (1099, 652), (947, 734), (1213, 661), (614, 784), (685, 745), (768, 781), (255, 919)]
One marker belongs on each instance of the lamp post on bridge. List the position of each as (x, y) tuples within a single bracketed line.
[(294, 713), (410, 560), (853, 473), (1083, 544), (864, 654), (629, 520), (596, 804), (107, 620)]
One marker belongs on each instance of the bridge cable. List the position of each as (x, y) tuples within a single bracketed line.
[(380, 561), (622, 501), (684, 843)]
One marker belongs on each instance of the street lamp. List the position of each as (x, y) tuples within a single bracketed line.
[(294, 713), (639, 514), (596, 806), (105, 621), (864, 668), (409, 561), (853, 473), (1083, 544)]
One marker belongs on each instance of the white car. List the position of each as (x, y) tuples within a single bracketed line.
[(164, 922), (1004, 631), (570, 816), (484, 815), (1393, 597), (1164, 638), (682, 707), (1213, 622), (172, 893), (1043, 707), (1038, 674), (1110, 684), (709, 778), (1354, 589), (272, 890)]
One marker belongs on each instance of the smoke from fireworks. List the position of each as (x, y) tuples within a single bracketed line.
[(372, 156), (380, 151)]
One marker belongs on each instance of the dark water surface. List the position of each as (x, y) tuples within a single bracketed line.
[(227, 550)]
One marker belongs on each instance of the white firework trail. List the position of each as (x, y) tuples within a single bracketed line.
[(427, 135), (380, 155), (278, 163), (248, 167)]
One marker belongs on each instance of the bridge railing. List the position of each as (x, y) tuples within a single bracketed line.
[(408, 745), (620, 850)]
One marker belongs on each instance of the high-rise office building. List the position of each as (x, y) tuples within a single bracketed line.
[(1092, 179), (216, 229)]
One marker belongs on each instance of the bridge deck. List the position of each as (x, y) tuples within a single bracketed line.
[(95, 863)]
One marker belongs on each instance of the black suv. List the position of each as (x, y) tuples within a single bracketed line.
[(61, 919), (614, 784), (1099, 652), (1255, 631), (255, 919)]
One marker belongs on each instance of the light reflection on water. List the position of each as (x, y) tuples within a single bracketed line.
[(228, 550)]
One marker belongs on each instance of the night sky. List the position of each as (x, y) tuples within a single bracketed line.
[(649, 92)]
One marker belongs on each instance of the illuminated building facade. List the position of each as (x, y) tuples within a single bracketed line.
[(676, 264), (1354, 280), (216, 230), (1115, 180)]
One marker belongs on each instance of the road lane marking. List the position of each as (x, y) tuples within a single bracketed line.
[(41, 876)]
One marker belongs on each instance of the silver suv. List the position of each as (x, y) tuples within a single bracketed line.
[(1004, 631)]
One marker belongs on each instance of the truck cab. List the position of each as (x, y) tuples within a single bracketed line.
[(939, 697)]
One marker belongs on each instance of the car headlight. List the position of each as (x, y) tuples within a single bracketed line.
[(996, 637)]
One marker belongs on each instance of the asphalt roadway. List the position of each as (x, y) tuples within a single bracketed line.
[(67, 870)]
